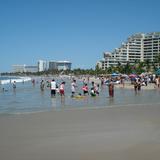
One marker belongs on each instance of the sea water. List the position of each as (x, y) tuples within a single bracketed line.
[(11, 79), (28, 98)]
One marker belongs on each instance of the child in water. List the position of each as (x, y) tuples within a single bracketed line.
[(93, 94)]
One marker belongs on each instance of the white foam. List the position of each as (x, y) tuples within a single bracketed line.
[(20, 79)]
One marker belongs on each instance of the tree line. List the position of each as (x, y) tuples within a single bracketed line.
[(137, 67)]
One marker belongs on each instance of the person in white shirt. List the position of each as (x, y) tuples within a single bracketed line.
[(53, 88), (73, 87)]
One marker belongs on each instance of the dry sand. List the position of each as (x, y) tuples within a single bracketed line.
[(118, 133)]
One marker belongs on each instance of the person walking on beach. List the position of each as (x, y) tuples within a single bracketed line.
[(53, 88), (61, 89)]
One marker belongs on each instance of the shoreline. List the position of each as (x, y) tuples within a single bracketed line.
[(7, 114), (19, 79), (117, 133), (127, 85), (150, 86)]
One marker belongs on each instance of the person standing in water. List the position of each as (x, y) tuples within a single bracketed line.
[(85, 89), (33, 82), (102, 81), (61, 89), (73, 88), (42, 85), (14, 85), (111, 89), (97, 89), (92, 93), (53, 88)]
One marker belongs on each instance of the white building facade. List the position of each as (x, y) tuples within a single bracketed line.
[(139, 47), (42, 65), (19, 68), (60, 65), (24, 68)]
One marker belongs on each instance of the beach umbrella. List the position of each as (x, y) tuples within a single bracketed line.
[(132, 75), (124, 75), (115, 74)]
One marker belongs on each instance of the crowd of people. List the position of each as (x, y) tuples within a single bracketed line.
[(93, 88), (87, 88), (140, 81)]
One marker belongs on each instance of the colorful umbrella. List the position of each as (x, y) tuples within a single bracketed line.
[(132, 75)]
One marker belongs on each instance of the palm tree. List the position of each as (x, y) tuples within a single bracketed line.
[(147, 64), (119, 67), (154, 66), (98, 70), (140, 68), (127, 68), (110, 69)]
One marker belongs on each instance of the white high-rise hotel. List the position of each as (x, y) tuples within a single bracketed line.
[(42, 65), (139, 47)]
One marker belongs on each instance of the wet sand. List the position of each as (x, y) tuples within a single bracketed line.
[(150, 86), (118, 133)]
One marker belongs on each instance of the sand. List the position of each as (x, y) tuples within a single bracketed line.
[(118, 133), (127, 85)]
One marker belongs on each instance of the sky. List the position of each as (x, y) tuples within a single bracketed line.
[(75, 30)]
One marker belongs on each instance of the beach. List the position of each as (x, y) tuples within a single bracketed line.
[(128, 85), (117, 133)]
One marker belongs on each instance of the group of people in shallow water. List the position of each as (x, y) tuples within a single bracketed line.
[(57, 89), (93, 90), (89, 87)]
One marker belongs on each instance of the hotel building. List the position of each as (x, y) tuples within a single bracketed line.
[(60, 65), (42, 65), (138, 47), (24, 68)]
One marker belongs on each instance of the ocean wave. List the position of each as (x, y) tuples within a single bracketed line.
[(16, 79)]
